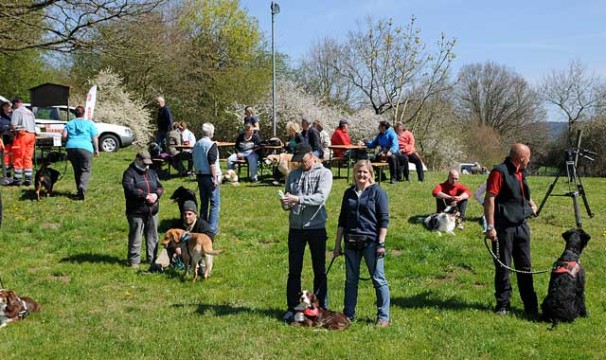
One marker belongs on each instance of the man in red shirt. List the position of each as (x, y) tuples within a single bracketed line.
[(452, 193), (507, 205), (407, 153), (340, 137)]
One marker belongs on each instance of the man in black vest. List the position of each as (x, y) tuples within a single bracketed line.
[(507, 205)]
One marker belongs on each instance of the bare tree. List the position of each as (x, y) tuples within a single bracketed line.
[(578, 94), (393, 69), (491, 95), (61, 25), (319, 75)]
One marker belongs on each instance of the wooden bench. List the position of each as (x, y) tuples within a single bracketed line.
[(379, 166)]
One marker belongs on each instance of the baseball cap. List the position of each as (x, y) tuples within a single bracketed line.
[(300, 151), (145, 157), (343, 122)]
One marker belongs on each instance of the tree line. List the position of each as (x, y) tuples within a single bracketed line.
[(209, 58)]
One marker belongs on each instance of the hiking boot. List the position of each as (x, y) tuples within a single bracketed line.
[(28, 181), (16, 182)]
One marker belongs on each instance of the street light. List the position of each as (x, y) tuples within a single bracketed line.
[(275, 9)]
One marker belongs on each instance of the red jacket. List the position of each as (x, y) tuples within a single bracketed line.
[(340, 137)]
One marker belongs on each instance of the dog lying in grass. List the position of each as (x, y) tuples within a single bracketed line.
[(45, 177), (309, 314), (15, 308), (230, 176), (198, 245), (565, 299), (444, 221)]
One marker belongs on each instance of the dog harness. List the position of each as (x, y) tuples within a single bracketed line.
[(567, 267), (185, 237)]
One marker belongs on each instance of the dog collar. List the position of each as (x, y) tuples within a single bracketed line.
[(185, 237)]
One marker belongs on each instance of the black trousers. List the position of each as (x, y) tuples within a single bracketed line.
[(462, 206), (403, 161), (297, 239), (514, 244)]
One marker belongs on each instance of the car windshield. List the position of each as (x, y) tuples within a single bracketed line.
[(54, 113)]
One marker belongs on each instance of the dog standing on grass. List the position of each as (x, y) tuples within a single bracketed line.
[(46, 177), (565, 299)]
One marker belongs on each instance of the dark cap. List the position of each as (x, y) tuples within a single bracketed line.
[(190, 205), (301, 150), (145, 157), (343, 122)]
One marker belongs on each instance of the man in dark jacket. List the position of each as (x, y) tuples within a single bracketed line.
[(142, 191), (312, 136), (507, 205), (164, 122)]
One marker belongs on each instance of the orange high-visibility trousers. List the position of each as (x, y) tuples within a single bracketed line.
[(23, 150)]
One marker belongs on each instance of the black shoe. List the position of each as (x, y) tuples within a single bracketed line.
[(27, 182), (16, 182), (501, 310)]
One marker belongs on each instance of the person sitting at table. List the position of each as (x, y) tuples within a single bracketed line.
[(250, 118), (324, 138), (245, 149), (311, 136), (387, 142), (341, 137), (452, 193), (173, 139), (407, 154), (188, 140), (293, 130)]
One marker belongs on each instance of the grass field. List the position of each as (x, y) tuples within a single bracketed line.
[(70, 256)]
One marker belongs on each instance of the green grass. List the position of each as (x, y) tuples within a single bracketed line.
[(70, 256)]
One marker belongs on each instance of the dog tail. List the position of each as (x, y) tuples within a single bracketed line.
[(213, 252)]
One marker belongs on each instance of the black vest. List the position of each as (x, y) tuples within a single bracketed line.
[(511, 206)]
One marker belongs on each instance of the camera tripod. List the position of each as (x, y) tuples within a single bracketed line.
[(575, 185)]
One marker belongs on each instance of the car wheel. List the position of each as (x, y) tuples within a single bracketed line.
[(109, 143)]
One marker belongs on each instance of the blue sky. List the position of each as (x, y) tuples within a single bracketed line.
[(532, 37)]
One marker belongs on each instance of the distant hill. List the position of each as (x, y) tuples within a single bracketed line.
[(557, 127)]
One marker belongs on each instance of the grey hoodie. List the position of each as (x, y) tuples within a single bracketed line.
[(312, 187)]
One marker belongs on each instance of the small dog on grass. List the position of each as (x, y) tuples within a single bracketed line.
[(565, 299), (231, 176), (443, 222), (309, 314), (14, 308), (45, 177), (181, 195)]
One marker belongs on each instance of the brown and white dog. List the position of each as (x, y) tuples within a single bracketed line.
[(14, 308), (198, 246), (309, 313), (282, 162)]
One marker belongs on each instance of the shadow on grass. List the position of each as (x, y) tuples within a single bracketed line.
[(428, 299), (93, 258), (30, 194), (226, 310)]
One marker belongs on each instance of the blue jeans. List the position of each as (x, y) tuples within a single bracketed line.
[(316, 238), (251, 157), (209, 195), (353, 258)]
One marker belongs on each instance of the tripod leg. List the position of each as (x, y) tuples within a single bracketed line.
[(553, 184), (577, 210), (581, 191)]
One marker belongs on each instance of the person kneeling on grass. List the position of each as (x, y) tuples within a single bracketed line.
[(178, 256)]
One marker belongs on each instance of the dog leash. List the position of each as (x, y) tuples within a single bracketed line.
[(496, 257), (325, 275)]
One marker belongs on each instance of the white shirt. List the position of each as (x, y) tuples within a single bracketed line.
[(188, 138)]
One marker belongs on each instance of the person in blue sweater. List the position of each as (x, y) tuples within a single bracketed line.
[(387, 141), (363, 223)]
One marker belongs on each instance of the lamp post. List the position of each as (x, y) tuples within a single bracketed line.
[(275, 9)]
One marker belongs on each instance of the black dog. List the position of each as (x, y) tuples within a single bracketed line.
[(183, 194), (565, 299), (46, 177)]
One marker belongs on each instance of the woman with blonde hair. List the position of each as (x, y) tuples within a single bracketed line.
[(293, 129), (363, 223)]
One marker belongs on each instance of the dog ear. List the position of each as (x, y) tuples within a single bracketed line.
[(566, 235), (584, 236)]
